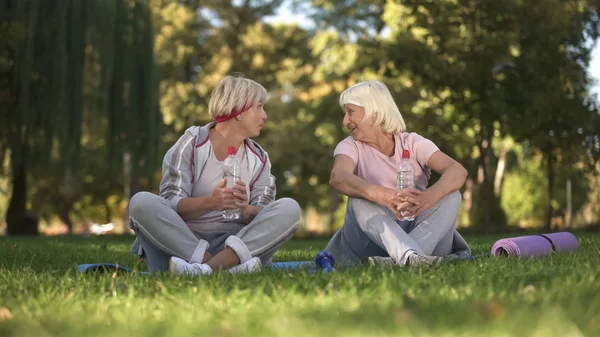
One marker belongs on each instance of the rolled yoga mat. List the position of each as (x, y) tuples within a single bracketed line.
[(535, 245)]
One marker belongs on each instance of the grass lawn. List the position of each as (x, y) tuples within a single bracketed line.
[(41, 294)]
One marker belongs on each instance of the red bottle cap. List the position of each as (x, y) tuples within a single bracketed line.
[(231, 151), (405, 154)]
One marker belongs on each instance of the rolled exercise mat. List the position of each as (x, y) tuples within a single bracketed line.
[(535, 245)]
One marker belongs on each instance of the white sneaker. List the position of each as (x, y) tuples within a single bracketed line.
[(424, 260), (250, 266), (181, 267), (382, 261)]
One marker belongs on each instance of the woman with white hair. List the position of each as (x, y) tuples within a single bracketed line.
[(365, 169), (183, 228)]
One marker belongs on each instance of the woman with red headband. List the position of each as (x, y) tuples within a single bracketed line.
[(183, 229)]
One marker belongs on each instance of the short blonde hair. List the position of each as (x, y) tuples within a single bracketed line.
[(375, 97), (235, 92)]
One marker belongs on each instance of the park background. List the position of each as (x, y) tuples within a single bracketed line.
[(93, 93)]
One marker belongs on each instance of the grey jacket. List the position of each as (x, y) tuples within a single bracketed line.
[(184, 162)]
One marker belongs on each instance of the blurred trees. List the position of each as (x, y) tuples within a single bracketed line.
[(500, 86), (74, 74), (484, 72)]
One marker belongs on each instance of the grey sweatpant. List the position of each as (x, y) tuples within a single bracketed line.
[(372, 230), (162, 233)]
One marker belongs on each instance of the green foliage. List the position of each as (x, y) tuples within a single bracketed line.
[(467, 73), (49, 60), (472, 75), (78, 67), (524, 194), (524, 191)]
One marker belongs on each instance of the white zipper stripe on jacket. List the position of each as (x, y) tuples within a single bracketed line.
[(178, 166)]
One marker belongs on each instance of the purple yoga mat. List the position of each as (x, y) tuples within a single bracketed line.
[(535, 245)]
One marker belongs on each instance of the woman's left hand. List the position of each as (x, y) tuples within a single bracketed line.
[(420, 204), (452, 178), (247, 211), (241, 194)]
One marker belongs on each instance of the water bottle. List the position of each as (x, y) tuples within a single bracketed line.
[(406, 176), (233, 175), (325, 261)]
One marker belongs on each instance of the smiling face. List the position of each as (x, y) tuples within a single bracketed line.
[(370, 109), (253, 119), (354, 120)]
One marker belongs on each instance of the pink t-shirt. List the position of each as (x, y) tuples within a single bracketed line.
[(377, 168)]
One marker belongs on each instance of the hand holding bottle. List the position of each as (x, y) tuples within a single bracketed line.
[(223, 198), (395, 200), (241, 195), (232, 173), (405, 181)]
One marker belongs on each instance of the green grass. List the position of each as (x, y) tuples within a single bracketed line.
[(557, 295)]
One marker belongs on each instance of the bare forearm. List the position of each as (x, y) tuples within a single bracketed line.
[(250, 213), (451, 180), (352, 186), (192, 208)]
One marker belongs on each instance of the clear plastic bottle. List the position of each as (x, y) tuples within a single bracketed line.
[(406, 176), (233, 175)]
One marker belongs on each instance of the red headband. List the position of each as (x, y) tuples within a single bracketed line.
[(234, 113)]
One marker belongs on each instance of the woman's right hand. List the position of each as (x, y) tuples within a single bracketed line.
[(223, 198), (396, 200)]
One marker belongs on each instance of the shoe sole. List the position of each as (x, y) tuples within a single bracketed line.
[(172, 267), (257, 267), (427, 263), (375, 262)]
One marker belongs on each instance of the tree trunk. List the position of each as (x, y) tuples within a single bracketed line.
[(18, 220), (65, 215), (108, 211), (500, 172), (469, 197), (68, 194), (486, 187), (569, 216), (550, 176), (128, 184), (486, 111)]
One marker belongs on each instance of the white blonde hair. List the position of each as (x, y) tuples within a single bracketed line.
[(375, 97), (235, 92)]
